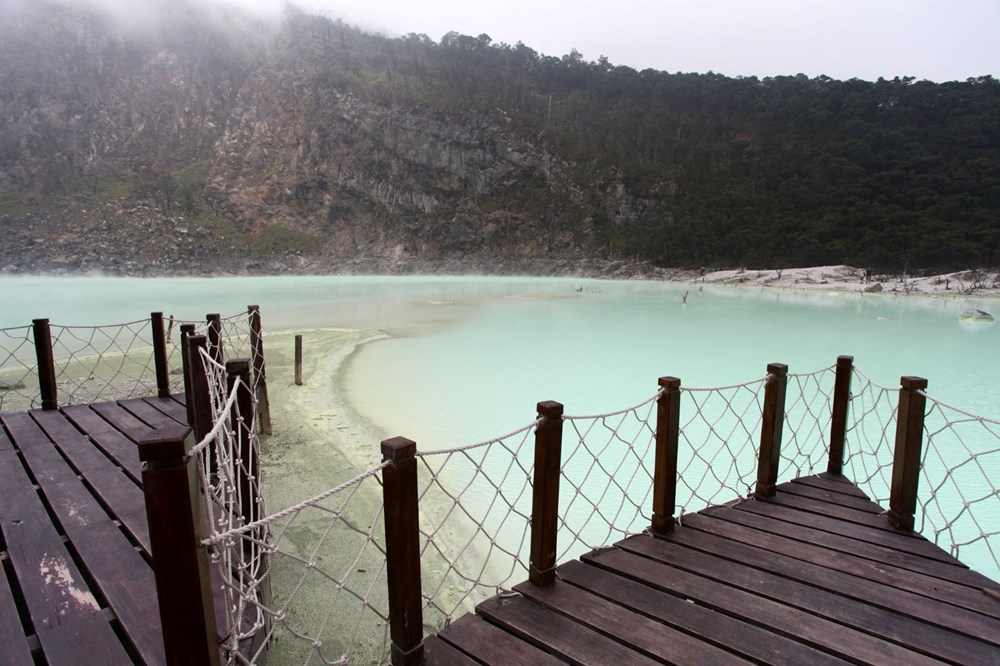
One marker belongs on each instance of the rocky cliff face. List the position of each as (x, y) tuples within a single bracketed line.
[(198, 148)]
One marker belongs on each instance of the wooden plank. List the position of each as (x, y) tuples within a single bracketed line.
[(842, 513), (932, 589), (830, 497), (21, 513), (123, 420), (820, 591), (147, 413), (736, 635), (64, 613), (84, 640), (169, 406), (886, 538), (54, 590), (439, 653), (5, 443), (844, 544), (490, 644), (115, 444), (66, 494), (58, 599), (835, 482), (811, 629), (561, 636), (126, 581), (14, 648), (118, 491), (136, 524), (638, 632)]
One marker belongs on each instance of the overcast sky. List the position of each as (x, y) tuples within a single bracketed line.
[(939, 40)]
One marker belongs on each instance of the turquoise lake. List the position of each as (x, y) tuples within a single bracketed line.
[(468, 357)]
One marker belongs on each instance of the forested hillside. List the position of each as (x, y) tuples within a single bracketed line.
[(310, 145)]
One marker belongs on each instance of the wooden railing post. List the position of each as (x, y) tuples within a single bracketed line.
[(160, 354), (197, 382), (214, 322), (187, 330), (46, 365), (402, 550), (906, 459), (298, 360), (180, 565), (545, 497), (838, 420), (770, 429), (248, 465), (259, 369), (668, 406)]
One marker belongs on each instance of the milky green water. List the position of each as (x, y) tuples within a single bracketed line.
[(468, 358), (604, 348), (464, 346)]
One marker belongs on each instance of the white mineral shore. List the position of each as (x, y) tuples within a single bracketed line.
[(851, 279), (319, 443)]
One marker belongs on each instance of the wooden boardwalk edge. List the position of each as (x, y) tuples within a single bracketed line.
[(74, 537), (771, 581)]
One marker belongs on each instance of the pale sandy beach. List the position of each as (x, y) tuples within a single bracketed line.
[(319, 443), (852, 280)]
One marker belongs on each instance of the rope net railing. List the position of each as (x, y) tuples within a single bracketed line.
[(959, 486), (606, 477), (111, 362), (325, 565), (717, 452), (805, 445), (326, 555), (235, 335), (228, 464), (959, 493), (320, 592), (870, 437), (18, 368), (104, 363)]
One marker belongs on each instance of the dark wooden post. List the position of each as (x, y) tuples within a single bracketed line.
[(298, 360), (402, 550), (196, 379), (180, 565), (187, 330), (545, 498), (215, 337), (259, 369), (248, 470), (906, 459), (46, 365), (770, 429), (668, 419), (838, 420), (160, 354)]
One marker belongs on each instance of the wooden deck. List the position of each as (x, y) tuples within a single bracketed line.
[(812, 576), (78, 583)]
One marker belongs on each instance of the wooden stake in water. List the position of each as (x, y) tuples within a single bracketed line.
[(298, 360)]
